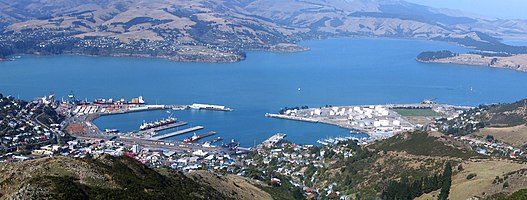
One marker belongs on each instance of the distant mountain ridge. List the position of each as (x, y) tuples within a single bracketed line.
[(220, 30)]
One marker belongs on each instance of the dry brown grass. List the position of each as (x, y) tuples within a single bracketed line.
[(482, 185), (75, 129), (516, 135), (233, 186), (511, 62)]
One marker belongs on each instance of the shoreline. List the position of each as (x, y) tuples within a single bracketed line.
[(516, 62), (285, 48), (187, 58)]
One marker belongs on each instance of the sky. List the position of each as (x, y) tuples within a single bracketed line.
[(505, 9)]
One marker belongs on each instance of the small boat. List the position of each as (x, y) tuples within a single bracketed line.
[(111, 130)]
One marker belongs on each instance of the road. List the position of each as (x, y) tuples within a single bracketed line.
[(177, 146)]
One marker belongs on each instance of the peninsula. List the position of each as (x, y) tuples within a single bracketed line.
[(514, 62), (489, 52)]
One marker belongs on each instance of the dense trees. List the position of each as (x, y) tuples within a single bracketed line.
[(446, 182), (433, 55), (406, 189)]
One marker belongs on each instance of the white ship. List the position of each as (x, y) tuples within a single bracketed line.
[(198, 106)]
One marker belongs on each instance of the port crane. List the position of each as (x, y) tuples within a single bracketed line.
[(72, 98)]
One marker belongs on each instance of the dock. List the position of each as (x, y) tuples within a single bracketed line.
[(198, 137), (273, 139), (207, 134), (295, 118), (164, 127), (160, 137)]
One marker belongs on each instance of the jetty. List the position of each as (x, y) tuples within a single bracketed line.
[(160, 137), (273, 139), (164, 127)]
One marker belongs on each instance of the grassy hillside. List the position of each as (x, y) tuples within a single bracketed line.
[(511, 114), (421, 143), (519, 195), (485, 116), (410, 156), (234, 186), (103, 178)]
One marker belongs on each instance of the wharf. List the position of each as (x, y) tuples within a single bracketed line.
[(274, 139), (304, 119), (164, 127), (160, 137), (204, 135)]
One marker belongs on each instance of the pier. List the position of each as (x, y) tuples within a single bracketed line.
[(198, 137), (164, 127), (273, 139), (304, 119), (160, 137)]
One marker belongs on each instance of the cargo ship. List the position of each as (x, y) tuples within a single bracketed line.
[(195, 137), (146, 126), (198, 106)]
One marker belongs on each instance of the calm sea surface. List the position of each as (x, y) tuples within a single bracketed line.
[(334, 72)]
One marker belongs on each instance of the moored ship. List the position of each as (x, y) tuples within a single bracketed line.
[(146, 126), (198, 106)]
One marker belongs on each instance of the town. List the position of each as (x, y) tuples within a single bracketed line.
[(47, 127), (46, 41)]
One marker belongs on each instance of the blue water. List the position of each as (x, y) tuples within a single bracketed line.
[(515, 42), (335, 72)]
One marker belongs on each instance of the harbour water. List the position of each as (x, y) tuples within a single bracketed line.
[(335, 72)]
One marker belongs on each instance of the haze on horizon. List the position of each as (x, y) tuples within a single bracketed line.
[(504, 9)]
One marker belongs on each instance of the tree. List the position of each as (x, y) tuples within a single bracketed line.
[(490, 138), (446, 182), (460, 167)]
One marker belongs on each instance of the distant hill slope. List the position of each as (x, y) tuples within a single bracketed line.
[(220, 30), (506, 122), (103, 178), (412, 155), (511, 114), (485, 116), (424, 144)]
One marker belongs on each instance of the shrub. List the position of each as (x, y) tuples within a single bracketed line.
[(471, 176)]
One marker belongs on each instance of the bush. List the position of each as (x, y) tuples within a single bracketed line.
[(471, 176), (431, 55)]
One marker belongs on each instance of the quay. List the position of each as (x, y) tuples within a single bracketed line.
[(304, 119), (160, 137), (198, 137), (177, 146), (164, 127), (273, 139)]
